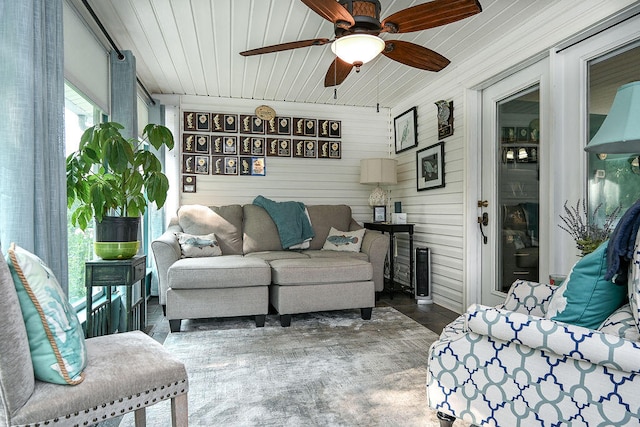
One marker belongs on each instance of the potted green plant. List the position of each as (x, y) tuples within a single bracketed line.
[(587, 234), (112, 179)]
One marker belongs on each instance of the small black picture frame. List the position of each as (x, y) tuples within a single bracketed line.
[(379, 213), (405, 128), (430, 167)]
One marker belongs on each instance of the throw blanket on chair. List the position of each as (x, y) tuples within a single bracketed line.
[(290, 218), (621, 243)]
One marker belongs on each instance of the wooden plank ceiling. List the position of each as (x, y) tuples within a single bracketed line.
[(192, 47)]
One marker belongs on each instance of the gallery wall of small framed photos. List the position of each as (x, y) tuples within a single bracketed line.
[(240, 144)]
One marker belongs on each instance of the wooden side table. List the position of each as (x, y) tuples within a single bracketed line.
[(109, 273), (392, 229)]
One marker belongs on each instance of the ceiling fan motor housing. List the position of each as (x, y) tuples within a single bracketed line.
[(366, 14)]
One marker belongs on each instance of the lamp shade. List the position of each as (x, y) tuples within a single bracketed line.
[(378, 171), (357, 49), (620, 131)]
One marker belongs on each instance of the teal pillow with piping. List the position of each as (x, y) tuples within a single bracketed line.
[(585, 298), (56, 339)]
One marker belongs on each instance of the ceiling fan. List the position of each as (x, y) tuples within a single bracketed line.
[(357, 27)]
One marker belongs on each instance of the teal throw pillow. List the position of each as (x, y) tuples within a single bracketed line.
[(56, 340), (585, 298)]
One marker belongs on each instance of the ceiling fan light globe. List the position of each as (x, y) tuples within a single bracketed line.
[(358, 49)]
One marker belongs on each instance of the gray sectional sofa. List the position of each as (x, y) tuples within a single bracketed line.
[(254, 270)]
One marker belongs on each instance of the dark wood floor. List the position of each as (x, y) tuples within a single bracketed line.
[(432, 316)]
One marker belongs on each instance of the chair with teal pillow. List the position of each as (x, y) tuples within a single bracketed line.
[(548, 355), (123, 373)]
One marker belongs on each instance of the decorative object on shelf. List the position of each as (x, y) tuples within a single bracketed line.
[(378, 172), (620, 131), (584, 229), (430, 167), (405, 127), (445, 118), (114, 177), (379, 213)]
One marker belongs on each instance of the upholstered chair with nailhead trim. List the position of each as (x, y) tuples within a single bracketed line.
[(125, 372)]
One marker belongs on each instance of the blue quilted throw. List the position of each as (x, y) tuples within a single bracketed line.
[(621, 243), (290, 218)]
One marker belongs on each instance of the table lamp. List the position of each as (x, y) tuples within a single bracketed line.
[(620, 131), (378, 172)]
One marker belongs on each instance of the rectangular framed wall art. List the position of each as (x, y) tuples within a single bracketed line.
[(405, 128), (430, 167)]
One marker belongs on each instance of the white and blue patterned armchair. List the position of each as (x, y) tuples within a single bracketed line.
[(510, 366)]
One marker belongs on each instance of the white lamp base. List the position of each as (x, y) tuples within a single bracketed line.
[(378, 197)]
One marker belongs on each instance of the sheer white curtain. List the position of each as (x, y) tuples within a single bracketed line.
[(32, 168)]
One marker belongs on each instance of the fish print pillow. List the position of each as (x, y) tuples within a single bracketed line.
[(193, 246), (345, 241)]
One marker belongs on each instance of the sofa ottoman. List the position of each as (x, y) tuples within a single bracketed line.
[(319, 284), (231, 285)]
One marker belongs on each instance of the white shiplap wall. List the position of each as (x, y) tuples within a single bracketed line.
[(442, 216), (365, 134)]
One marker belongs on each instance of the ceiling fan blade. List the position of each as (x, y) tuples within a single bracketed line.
[(332, 11), (337, 72), (285, 46), (414, 55), (430, 15)]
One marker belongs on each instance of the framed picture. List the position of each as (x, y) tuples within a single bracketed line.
[(405, 127), (379, 213), (258, 166), (230, 123), (202, 144), (231, 166), (188, 184), (430, 167), (202, 165), (230, 145), (202, 122), (257, 146)]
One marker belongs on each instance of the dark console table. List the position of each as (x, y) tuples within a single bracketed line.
[(129, 273), (392, 229)]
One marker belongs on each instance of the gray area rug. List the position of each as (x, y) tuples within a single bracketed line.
[(327, 369)]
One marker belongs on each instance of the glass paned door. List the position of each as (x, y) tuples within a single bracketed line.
[(512, 146), (518, 196)]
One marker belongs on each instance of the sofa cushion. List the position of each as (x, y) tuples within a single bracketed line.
[(259, 231), (224, 221), (192, 246), (344, 241), (335, 254), (273, 255), (323, 217), (320, 270), (585, 298), (229, 271), (56, 339), (621, 324)]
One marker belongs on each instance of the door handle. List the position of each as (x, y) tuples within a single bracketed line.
[(483, 221)]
